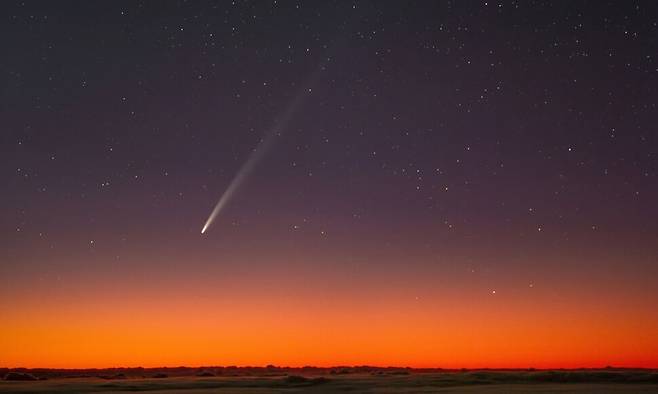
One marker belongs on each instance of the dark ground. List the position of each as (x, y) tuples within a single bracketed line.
[(328, 380)]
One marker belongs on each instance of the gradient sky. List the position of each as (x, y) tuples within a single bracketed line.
[(459, 184)]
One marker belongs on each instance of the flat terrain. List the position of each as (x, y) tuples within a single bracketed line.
[(491, 382)]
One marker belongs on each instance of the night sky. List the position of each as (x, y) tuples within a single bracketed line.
[(445, 184)]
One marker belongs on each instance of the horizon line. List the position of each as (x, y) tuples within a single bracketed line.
[(356, 366)]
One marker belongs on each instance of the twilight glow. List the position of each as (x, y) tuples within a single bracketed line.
[(452, 184)]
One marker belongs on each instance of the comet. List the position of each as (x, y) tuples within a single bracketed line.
[(265, 144)]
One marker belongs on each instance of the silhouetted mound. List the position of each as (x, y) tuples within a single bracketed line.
[(301, 380), (118, 376), (205, 374), (20, 376), (160, 376), (296, 379), (398, 373), (340, 371)]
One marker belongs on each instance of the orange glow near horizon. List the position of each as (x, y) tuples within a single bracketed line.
[(259, 325)]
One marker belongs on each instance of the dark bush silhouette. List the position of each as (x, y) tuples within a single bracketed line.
[(340, 371), (295, 379), (301, 380), (118, 376), (20, 376), (205, 374)]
